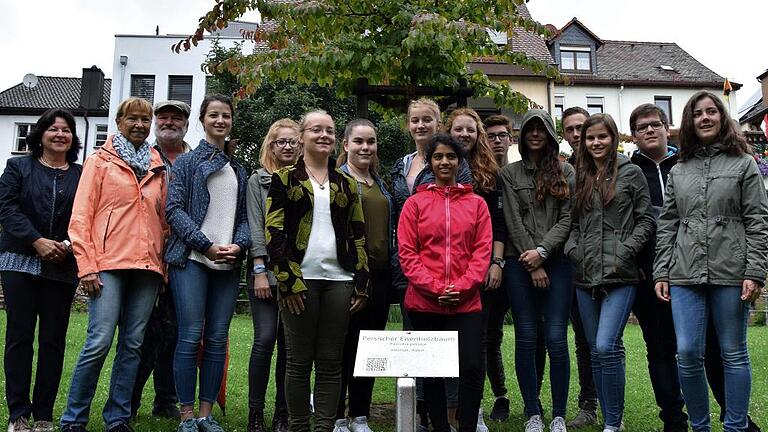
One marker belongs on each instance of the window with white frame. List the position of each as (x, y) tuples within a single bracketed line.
[(20, 141), (101, 135), (559, 107), (143, 86), (665, 103), (595, 104), (576, 58), (180, 88)]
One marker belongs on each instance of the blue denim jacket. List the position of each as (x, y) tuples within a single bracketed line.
[(188, 201)]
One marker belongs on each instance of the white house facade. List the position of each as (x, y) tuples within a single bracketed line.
[(21, 105), (614, 77), (145, 66)]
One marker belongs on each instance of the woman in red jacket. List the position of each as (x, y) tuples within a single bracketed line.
[(444, 235)]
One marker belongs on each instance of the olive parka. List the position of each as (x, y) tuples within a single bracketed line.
[(713, 228)]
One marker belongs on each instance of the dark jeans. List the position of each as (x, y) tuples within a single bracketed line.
[(471, 373), (587, 389), (267, 329), (316, 337), (205, 301), (373, 317), (530, 304), (658, 329), (28, 300), (157, 355), (495, 307)]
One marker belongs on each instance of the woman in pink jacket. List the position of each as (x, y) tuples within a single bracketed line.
[(444, 235), (118, 231)]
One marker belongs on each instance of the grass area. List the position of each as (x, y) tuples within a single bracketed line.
[(640, 415)]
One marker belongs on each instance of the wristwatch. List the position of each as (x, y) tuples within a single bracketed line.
[(498, 261)]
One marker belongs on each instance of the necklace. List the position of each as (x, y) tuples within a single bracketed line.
[(320, 183), (42, 161)]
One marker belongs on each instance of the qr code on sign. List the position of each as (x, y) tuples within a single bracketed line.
[(375, 364)]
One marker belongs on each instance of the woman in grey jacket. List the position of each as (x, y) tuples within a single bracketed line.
[(612, 221), (711, 253), (279, 149)]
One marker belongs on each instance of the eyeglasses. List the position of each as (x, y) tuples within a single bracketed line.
[(500, 136), (284, 143), (653, 125)]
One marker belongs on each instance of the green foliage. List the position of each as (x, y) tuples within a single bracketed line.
[(289, 99), (389, 42)]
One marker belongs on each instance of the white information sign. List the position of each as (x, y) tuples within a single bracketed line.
[(407, 354)]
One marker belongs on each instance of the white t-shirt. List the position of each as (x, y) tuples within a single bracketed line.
[(320, 260)]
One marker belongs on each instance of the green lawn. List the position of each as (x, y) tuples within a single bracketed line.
[(640, 415)]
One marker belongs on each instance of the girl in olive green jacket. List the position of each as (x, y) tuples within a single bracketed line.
[(612, 221), (711, 253)]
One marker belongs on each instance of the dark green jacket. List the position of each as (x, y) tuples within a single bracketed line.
[(713, 228), (289, 222), (531, 223), (605, 241)]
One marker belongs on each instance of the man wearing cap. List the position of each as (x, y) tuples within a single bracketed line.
[(171, 123)]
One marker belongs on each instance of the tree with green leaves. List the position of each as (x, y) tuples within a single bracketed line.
[(410, 43), (288, 99)]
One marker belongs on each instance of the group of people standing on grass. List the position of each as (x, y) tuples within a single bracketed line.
[(156, 235)]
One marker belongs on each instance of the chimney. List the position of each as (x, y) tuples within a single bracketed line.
[(92, 88)]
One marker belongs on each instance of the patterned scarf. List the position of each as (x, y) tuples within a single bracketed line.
[(138, 160)]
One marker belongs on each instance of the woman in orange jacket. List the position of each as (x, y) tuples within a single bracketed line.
[(118, 230)]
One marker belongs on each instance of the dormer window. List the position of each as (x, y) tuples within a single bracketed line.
[(575, 58), (667, 68)]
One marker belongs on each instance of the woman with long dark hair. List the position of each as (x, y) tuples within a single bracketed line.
[(538, 277), (38, 270), (444, 237), (711, 254), (279, 149), (464, 125), (209, 236), (612, 221), (316, 244), (359, 159)]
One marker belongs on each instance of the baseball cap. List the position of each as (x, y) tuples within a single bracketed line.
[(179, 105)]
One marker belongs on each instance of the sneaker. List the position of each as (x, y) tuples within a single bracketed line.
[(481, 427), (557, 425), (43, 426), (583, 418), (621, 428), (20, 425), (534, 424), (500, 411), (342, 425), (74, 427), (421, 428), (188, 425), (752, 426), (208, 424), (359, 424), (120, 427), (169, 411)]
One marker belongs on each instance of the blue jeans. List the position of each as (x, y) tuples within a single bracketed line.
[(691, 308), (528, 305), (126, 301), (604, 315), (205, 301)]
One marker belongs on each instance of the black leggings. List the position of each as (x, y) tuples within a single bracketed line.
[(471, 368), (29, 300)]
